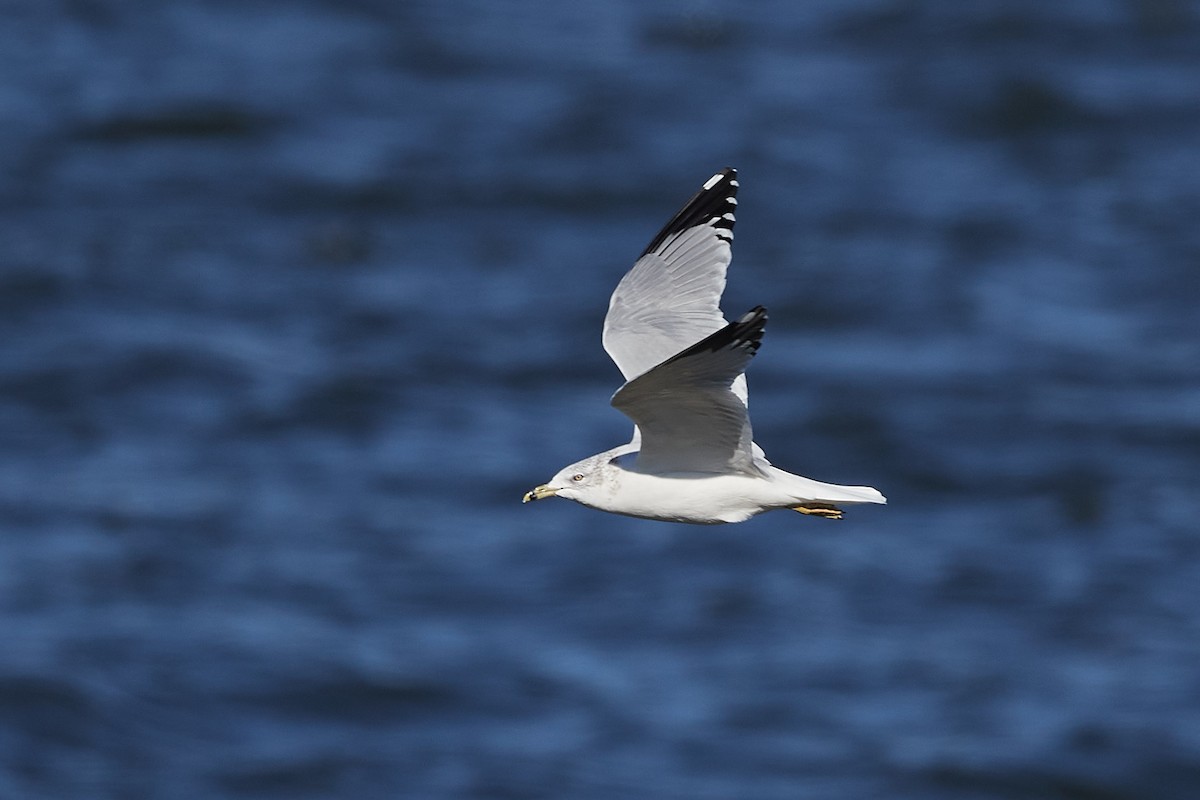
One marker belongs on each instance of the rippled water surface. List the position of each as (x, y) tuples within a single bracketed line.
[(298, 300)]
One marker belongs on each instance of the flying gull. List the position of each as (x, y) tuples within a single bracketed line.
[(692, 457)]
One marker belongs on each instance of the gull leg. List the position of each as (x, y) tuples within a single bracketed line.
[(826, 510)]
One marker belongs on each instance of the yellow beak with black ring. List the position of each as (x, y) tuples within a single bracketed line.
[(539, 493)]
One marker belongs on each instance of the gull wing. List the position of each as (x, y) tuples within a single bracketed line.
[(689, 417), (671, 298)]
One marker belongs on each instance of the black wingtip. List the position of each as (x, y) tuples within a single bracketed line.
[(746, 332), (714, 205), (758, 312)]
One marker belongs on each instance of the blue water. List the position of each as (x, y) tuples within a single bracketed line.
[(297, 301)]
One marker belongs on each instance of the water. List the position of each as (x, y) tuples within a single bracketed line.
[(298, 301)]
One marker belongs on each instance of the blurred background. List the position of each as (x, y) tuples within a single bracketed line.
[(300, 298)]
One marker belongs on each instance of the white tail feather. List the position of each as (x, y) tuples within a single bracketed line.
[(808, 490)]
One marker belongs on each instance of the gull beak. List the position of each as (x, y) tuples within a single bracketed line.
[(539, 493)]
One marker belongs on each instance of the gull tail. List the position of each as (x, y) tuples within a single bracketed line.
[(823, 499)]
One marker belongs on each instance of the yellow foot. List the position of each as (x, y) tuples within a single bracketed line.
[(826, 510)]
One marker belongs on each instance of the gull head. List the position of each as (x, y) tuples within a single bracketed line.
[(584, 481)]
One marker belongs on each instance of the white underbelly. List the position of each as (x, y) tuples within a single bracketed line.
[(697, 498)]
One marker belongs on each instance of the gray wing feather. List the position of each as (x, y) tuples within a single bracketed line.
[(685, 408), (671, 298)]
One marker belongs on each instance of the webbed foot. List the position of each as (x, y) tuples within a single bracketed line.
[(826, 510)]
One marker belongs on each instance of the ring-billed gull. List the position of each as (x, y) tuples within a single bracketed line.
[(692, 458)]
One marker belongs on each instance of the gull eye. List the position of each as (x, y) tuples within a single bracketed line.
[(577, 477)]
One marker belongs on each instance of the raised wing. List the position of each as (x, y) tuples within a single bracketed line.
[(671, 298), (689, 417)]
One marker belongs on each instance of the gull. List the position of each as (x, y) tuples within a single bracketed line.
[(692, 457)]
